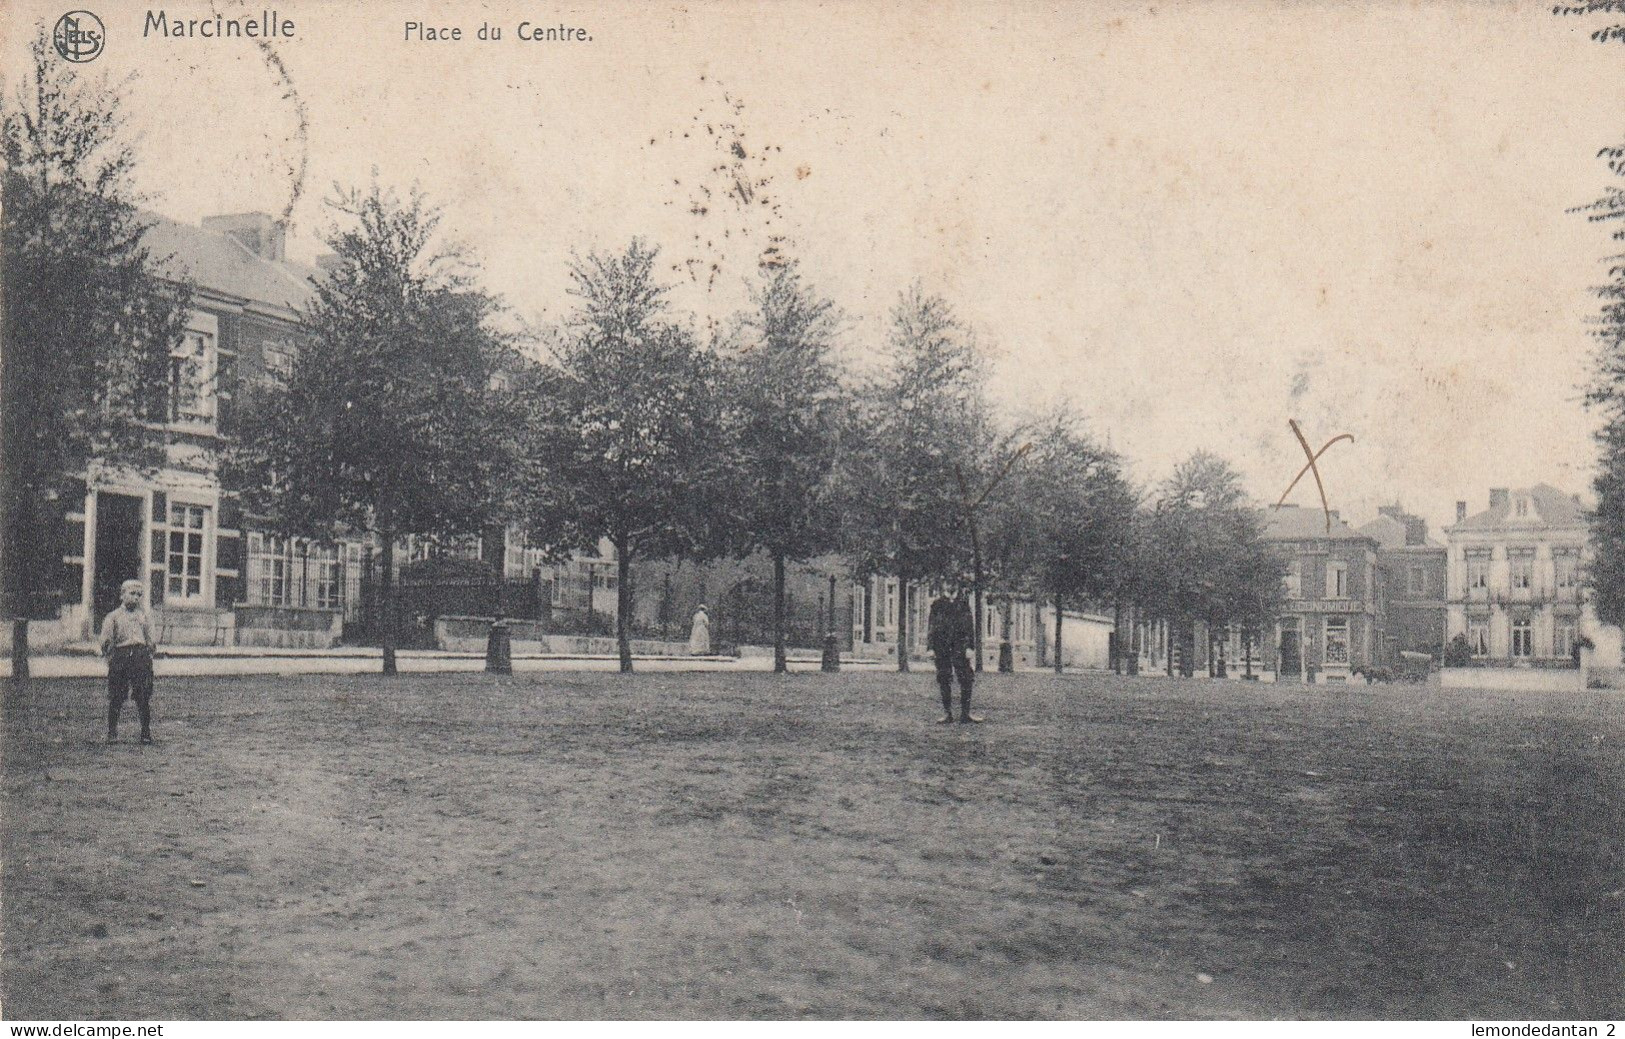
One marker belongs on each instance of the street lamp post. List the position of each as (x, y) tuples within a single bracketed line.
[(832, 650)]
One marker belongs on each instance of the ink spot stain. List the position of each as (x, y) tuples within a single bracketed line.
[(803, 172)]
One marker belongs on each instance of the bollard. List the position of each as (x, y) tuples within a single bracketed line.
[(832, 653), (498, 649), (1007, 659)]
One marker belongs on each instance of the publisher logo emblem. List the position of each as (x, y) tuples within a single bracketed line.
[(79, 36)]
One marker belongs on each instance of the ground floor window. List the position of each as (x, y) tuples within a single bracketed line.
[(183, 578), (1337, 640), (329, 577), (290, 572), (268, 569), (1478, 637), (1563, 640), (1523, 638)]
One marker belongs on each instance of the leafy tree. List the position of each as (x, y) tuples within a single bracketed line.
[(1214, 563), (786, 416), (923, 417), (88, 322), (392, 421), (1077, 510), (995, 523), (1606, 396), (631, 446)]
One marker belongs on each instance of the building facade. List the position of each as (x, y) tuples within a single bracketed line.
[(211, 579), (1411, 586), (1328, 621), (1515, 572)]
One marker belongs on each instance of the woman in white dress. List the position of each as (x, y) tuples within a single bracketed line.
[(699, 637)]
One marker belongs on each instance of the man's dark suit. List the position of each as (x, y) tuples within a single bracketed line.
[(951, 632)]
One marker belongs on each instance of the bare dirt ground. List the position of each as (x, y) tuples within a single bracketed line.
[(679, 846)]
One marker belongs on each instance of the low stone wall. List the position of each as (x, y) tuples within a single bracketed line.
[(470, 634), (1517, 679), (757, 652), (287, 627), (176, 626)]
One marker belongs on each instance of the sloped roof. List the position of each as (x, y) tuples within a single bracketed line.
[(216, 261), (1389, 533), (1296, 523), (1549, 507)]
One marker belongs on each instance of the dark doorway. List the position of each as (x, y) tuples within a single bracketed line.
[(1291, 653), (118, 549)]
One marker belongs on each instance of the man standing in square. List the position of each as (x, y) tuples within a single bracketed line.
[(950, 632), (128, 645)]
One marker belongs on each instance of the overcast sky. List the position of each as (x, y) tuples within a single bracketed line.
[(1195, 222)]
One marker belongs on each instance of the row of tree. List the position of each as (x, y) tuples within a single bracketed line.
[(419, 408), (413, 413)]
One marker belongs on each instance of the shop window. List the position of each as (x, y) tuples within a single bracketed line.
[(1337, 640)]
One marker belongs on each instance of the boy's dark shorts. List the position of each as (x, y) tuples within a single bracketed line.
[(129, 673)]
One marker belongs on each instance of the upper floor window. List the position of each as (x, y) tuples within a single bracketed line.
[(1521, 570), (1418, 582), (1337, 580), (1566, 568), (279, 360), (1478, 571), (1522, 507), (1293, 581), (191, 379)]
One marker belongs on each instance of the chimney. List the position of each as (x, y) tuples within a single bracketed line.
[(1499, 496), (1461, 511), (1416, 530), (258, 233)]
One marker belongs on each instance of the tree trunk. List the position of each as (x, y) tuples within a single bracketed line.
[(976, 589), (19, 647), (1117, 638), (386, 603), (623, 604), (902, 620), (780, 664), (1168, 632), (1134, 641), (1007, 663), (1058, 617), (1247, 652)]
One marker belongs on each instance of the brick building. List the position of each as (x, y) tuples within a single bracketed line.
[(210, 578), (1411, 576), (1328, 620)]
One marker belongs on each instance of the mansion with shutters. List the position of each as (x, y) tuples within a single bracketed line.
[(1516, 571)]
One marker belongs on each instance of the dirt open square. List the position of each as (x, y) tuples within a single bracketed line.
[(759, 846)]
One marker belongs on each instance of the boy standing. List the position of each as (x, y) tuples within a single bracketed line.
[(127, 643)]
